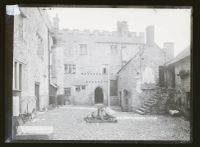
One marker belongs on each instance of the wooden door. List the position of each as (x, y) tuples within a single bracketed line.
[(37, 95)]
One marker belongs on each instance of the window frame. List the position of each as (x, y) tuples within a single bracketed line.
[(69, 91), (83, 49), (70, 68), (104, 71), (78, 87), (113, 49), (17, 76)]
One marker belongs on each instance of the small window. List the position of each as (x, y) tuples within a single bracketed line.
[(78, 88), (83, 49), (83, 87), (67, 91), (20, 76), (104, 71), (70, 69), (113, 49), (17, 81), (15, 75)]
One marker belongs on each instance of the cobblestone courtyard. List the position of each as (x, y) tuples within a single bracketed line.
[(68, 123)]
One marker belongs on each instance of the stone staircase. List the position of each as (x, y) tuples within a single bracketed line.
[(149, 104)]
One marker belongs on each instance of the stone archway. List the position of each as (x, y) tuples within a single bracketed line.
[(98, 98)]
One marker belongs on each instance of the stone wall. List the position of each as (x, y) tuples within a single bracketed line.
[(139, 75), (31, 43), (182, 86), (184, 83), (89, 67)]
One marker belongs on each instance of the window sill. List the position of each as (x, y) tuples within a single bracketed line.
[(17, 90)]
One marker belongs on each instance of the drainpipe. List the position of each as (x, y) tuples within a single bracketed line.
[(108, 86), (49, 50)]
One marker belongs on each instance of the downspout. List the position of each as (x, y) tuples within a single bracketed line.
[(49, 50)]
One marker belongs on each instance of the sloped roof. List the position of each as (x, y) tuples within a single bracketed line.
[(144, 48), (129, 61), (185, 53), (54, 85)]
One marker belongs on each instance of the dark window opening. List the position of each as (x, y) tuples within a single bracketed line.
[(78, 88), (104, 71), (83, 87), (67, 91), (113, 87), (70, 69)]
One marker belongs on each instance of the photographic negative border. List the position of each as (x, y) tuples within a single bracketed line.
[(9, 50)]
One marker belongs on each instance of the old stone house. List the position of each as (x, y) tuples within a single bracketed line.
[(139, 77), (176, 75), (86, 63), (32, 42)]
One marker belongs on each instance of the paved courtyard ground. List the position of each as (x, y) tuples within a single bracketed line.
[(68, 123)]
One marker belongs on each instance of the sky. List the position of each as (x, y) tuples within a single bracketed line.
[(171, 25)]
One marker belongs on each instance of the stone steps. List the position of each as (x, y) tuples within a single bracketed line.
[(148, 104)]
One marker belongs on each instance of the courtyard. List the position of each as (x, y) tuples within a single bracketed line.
[(68, 124)]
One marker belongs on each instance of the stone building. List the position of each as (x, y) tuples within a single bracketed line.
[(176, 75), (31, 59), (138, 78), (89, 61)]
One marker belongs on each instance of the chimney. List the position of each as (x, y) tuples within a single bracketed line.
[(168, 48), (56, 22), (150, 35), (122, 28)]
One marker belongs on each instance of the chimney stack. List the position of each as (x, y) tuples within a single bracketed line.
[(150, 35), (122, 28)]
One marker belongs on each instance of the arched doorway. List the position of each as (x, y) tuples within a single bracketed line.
[(98, 98)]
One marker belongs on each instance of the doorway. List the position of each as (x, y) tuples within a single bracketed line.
[(120, 98), (98, 95), (37, 95)]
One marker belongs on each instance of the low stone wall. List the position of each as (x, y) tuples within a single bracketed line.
[(163, 97), (161, 107)]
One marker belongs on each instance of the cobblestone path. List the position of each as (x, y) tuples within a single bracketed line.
[(68, 123)]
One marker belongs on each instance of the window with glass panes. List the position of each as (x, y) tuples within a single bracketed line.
[(70, 69)]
